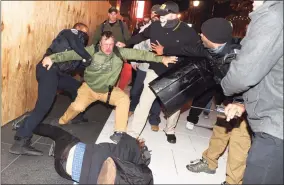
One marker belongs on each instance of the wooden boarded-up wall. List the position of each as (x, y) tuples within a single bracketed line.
[(27, 29)]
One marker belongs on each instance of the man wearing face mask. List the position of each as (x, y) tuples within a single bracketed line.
[(217, 39), (170, 32), (57, 78), (216, 36)]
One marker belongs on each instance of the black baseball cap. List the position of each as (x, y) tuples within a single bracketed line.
[(112, 9), (168, 7), (155, 8)]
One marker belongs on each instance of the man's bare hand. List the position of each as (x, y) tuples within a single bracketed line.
[(234, 109), (135, 66), (158, 48), (120, 44), (167, 60), (47, 62)]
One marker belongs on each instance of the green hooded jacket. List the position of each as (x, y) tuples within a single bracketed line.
[(105, 69)]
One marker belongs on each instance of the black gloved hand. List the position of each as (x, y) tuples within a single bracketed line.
[(146, 155)]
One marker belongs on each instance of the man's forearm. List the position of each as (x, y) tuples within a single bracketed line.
[(70, 55), (135, 54), (147, 56), (232, 84), (65, 56), (135, 40)]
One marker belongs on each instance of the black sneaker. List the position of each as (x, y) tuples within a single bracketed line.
[(55, 122), (116, 136), (224, 183), (22, 146), (200, 165), (79, 119)]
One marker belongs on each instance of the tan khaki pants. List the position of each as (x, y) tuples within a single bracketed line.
[(143, 108), (236, 134), (86, 96)]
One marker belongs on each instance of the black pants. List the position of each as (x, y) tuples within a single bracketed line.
[(48, 83), (202, 101), (61, 137), (135, 93), (265, 160)]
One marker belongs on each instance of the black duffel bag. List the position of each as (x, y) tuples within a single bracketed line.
[(182, 83)]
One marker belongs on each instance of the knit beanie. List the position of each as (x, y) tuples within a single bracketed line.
[(217, 30)]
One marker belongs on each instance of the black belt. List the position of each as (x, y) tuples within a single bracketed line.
[(110, 88)]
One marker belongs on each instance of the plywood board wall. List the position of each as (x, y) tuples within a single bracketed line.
[(27, 29)]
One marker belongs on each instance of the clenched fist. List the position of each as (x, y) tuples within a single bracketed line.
[(47, 62)]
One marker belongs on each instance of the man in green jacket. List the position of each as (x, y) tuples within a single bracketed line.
[(121, 33), (101, 77)]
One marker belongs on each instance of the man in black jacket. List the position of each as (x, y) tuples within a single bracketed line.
[(106, 163), (49, 81), (170, 32), (216, 36)]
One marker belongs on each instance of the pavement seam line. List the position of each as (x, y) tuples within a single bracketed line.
[(17, 157)]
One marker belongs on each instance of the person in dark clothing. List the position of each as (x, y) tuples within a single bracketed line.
[(49, 81), (170, 32), (105, 163), (216, 36), (235, 134)]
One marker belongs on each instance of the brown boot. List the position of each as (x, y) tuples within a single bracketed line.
[(155, 128)]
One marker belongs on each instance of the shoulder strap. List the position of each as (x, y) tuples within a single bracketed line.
[(97, 49), (117, 53), (103, 26), (122, 29)]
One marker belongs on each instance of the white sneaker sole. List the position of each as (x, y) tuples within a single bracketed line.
[(189, 126)]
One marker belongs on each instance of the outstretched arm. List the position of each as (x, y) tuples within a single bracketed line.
[(77, 45), (135, 54), (139, 37), (65, 56)]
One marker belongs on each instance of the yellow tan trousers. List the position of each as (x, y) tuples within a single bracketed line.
[(86, 96), (235, 134)]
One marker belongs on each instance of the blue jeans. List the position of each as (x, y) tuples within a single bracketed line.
[(208, 106)]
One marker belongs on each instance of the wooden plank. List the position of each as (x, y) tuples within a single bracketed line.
[(27, 29)]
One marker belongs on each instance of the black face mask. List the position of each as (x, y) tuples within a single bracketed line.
[(84, 37), (171, 23)]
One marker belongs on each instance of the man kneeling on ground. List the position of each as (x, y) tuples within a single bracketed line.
[(101, 77)]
